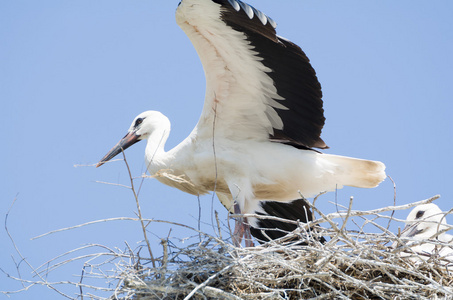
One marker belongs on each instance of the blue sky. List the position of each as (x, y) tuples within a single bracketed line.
[(73, 75)]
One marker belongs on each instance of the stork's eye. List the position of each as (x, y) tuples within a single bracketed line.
[(138, 122), (419, 214)]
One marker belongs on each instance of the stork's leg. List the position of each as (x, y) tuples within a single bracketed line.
[(241, 190), (248, 234), (241, 229)]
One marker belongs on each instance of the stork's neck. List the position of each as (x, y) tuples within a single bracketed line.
[(155, 148)]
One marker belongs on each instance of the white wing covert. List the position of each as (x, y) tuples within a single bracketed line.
[(258, 86)]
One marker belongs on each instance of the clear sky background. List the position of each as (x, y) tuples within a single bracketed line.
[(73, 75)]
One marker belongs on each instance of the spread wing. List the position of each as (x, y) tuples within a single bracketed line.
[(258, 85)]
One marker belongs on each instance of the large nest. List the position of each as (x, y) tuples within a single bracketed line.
[(353, 264)]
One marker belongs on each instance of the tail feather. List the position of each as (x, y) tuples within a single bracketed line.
[(357, 172)]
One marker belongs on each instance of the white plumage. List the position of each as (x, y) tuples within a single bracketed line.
[(427, 223), (262, 116)]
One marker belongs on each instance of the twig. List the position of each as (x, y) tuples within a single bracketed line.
[(394, 200), (115, 184), (80, 282), (139, 211), (164, 243), (85, 224), (218, 224), (23, 258)]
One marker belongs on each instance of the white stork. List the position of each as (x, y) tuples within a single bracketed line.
[(262, 117), (424, 223)]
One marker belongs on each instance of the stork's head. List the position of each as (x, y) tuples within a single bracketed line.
[(424, 221), (141, 128)]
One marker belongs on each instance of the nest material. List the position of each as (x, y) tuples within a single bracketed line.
[(365, 263), (351, 265)]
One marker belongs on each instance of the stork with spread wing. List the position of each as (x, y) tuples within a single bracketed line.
[(262, 117)]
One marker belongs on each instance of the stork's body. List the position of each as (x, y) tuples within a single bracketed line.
[(249, 169), (261, 118)]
